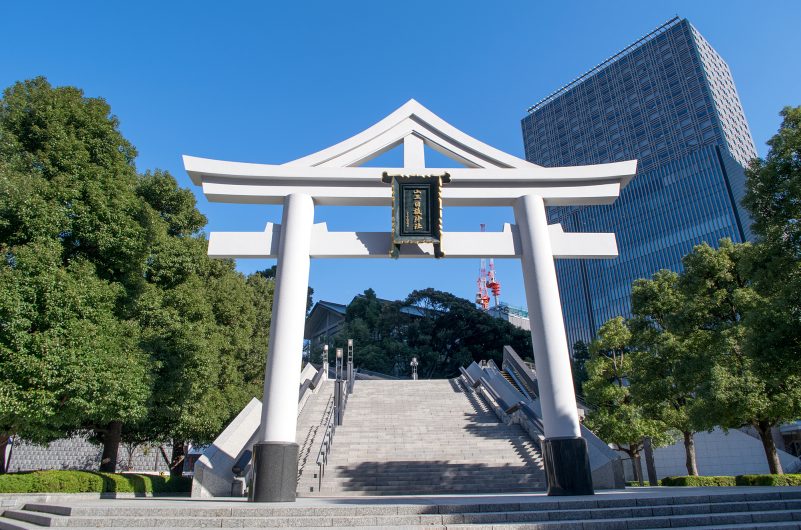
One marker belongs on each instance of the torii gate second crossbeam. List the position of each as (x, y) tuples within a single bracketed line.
[(491, 178)]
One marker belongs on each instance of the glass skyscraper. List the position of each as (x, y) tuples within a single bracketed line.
[(669, 101)]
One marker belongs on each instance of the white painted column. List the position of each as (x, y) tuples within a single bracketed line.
[(557, 397), (280, 404), (414, 155)]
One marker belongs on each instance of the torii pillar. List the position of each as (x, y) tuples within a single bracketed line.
[(275, 457), (567, 465), (490, 178)]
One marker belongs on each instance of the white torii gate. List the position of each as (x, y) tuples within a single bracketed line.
[(490, 178)]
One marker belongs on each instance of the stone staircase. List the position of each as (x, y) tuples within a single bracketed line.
[(667, 508), (423, 437)]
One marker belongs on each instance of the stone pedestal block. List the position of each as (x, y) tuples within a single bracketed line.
[(275, 472), (567, 466)]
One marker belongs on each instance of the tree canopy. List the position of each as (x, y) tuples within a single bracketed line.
[(443, 331), (74, 238), (113, 320), (615, 416)]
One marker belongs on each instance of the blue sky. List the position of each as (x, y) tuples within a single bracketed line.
[(269, 82)]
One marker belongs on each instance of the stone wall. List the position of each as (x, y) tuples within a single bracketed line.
[(717, 453), (79, 453)]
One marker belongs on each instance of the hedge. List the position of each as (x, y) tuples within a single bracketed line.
[(739, 480), (90, 482), (769, 480), (698, 481)]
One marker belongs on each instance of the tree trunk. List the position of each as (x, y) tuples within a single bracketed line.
[(765, 434), (648, 449), (689, 450), (636, 465), (131, 450), (638, 468), (178, 456), (4, 437), (111, 446)]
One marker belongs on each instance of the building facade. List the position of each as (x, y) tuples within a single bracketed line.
[(669, 101), (517, 316)]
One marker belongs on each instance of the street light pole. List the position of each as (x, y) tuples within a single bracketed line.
[(350, 366), (338, 398), (325, 362)]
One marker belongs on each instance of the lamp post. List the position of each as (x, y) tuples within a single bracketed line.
[(350, 366), (338, 387), (325, 362), (414, 364)]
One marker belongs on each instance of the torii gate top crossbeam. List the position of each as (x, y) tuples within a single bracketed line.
[(332, 176)]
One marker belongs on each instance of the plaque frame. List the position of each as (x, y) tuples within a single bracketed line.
[(418, 221)]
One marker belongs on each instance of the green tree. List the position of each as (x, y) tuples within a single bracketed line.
[(773, 197), (672, 361), (74, 238), (614, 416), (773, 186), (204, 325), (746, 389), (443, 331), (581, 354), (112, 317), (454, 333)]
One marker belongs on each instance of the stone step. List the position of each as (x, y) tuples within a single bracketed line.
[(14, 524), (455, 472), (406, 479), (776, 509), (762, 500)]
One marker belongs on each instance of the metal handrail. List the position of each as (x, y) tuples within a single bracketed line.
[(325, 446), (346, 394), (330, 430)]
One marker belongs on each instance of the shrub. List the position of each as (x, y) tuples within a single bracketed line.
[(768, 480), (90, 482), (698, 481)]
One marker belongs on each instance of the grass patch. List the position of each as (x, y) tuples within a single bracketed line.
[(91, 482)]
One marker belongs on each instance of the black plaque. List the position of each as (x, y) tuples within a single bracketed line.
[(416, 210)]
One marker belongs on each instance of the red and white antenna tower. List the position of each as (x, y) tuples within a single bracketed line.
[(482, 298), (492, 282)]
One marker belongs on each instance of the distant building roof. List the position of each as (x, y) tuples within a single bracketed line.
[(339, 308), (594, 70), (320, 319)]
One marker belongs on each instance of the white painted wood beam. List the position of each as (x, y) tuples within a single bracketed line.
[(428, 125), (470, 245), (378, 194), (414, 155), (205, 169)]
